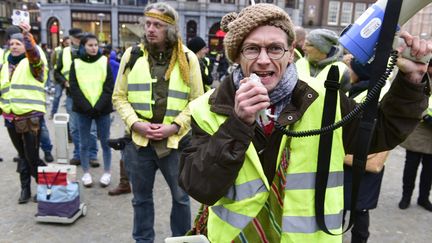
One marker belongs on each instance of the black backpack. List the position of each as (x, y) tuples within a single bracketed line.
[(136, 53)]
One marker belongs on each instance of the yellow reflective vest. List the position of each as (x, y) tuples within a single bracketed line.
[(2, 52), (67, 62), (57, 51), (140, 94), (91, 78), (233, 212), (297, 54), (303, 71), (23, 93)]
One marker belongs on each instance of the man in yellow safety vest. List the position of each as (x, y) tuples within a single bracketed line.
[(156, 82), (259, 183)]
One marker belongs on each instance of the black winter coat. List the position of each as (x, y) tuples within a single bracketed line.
[(80, 103)]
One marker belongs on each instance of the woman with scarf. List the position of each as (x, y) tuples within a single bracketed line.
[(22, 79), (91, 86)]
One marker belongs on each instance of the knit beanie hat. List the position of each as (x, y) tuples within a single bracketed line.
[(12, 30), (196, 44), (239, 26), (322, 39), (76, 32), (17, 36)]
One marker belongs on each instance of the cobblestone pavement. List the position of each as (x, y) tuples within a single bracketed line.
[(109, 219)]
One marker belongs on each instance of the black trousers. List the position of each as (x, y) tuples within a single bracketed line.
[(360, 230), (412, 162), (27, 146)]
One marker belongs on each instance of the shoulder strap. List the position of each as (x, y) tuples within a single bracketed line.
[(325, 144), (136, 53), (366, 127), (368, 121)]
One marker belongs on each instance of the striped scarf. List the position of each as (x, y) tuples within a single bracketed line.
[(280, 96), (266, 227)]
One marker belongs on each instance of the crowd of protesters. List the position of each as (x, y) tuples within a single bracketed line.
[(196, 117)]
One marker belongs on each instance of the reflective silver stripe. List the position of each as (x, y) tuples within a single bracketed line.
[(138, 87), (4, 101), (27, 87), (27, 101), (5, 90), (173, 113), (246, 190), (307, 224), (237, 220), (178, 94), (141, 106), (302, 181)]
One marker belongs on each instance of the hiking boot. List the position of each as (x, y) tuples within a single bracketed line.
[(74, 162), (94, 163), (48, 157), (122, 188)]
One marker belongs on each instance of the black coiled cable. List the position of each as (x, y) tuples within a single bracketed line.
[(354, 113)]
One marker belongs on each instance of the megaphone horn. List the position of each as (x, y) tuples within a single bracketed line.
[(361, 38)]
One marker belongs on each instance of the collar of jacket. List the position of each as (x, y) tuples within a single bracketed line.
[(222, 101)]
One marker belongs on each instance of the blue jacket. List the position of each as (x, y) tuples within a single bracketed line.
[(114, 64)]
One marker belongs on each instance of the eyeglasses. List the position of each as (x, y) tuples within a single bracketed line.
[(274, 52)]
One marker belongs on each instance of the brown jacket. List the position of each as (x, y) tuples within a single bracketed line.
[(210, 165), (420, 140)]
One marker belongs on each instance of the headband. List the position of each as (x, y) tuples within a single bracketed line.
[(161, 16)]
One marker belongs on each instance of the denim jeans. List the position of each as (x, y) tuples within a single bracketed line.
[(141, 165), (74, 131), (103, 124), (57, 96), (45, 141)]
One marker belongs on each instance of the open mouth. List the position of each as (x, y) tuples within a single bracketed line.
[(264, 74)]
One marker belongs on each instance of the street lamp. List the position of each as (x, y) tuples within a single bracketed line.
[(101, 17)]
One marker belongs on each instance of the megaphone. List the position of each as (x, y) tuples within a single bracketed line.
[(361, 38)]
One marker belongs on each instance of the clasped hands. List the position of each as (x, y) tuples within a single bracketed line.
[(154, 131)]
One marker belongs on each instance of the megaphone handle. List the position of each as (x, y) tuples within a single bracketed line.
[(406, 53)]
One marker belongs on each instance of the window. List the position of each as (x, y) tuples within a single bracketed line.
[(141, 2), (262, 1), (191, 30), (129, 31), (333, 13), (346, 16), (229, 1), (290, 3), (127, 2), (215, 1), (360, 8)]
